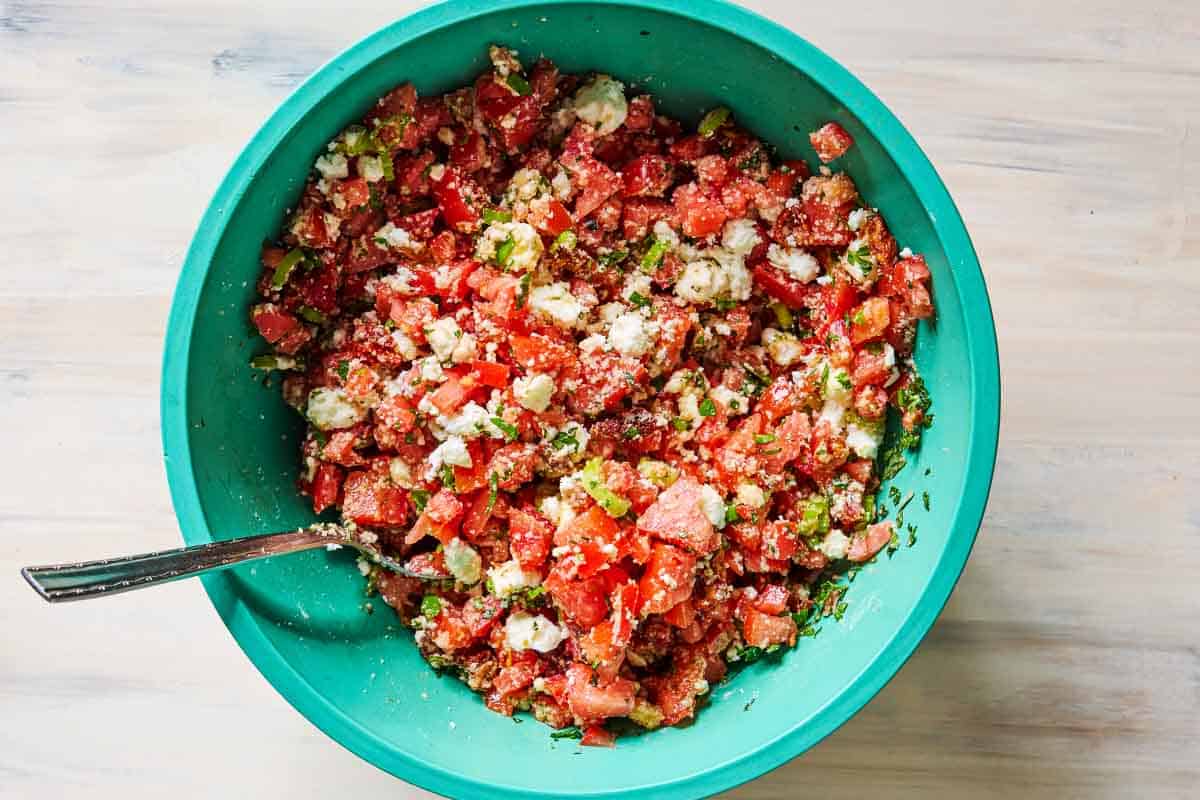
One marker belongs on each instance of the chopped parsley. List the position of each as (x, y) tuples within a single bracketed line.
[(631, 432), (496, 215), (639, 300), (860, 257), (565, 439), (505, 250), (707, 407), (925, 500), (431, 606), (508, 429), (612, 258), (343, 369), (419, 498), (523, 289), (712, 121), (518, 84), (572, 732), (447, 476)]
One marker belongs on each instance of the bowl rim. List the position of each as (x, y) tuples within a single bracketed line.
[(979, 331)]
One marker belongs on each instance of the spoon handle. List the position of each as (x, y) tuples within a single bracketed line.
[(63, 582)]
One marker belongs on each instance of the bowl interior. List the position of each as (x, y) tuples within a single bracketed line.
[(232, 443)]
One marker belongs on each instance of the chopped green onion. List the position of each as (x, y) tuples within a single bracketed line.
[(496, 215), (493, 490), (509, 430), (654, 255), (707, 407), (505, 250), (712, 121), (814, 518), (286, 266), (593, 483), (732, 515), (783, 316), (357, 140), (343, 369), (639, 299), (681, 424), (764, 438), (612, 258), (523, 289), (565, 240), (389, 171), (568, 733), (276, 362), (431, 606), (311, 314), (518, 84), (419, 498)]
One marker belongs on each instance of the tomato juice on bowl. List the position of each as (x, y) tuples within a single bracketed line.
[(238, 472)]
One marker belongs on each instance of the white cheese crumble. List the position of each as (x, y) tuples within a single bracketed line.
[(740, 236), (783, 348), (864, 440), (472, 420), (593, 344), (560, 184), (835, 545), (511, 577), (398, 238), (452, 452), (556, 302), (713, 273), (404, 345), (526, 245), (857, 217), (733, 402), (601, 103), (369, 168), (632, 334), (431, 370), (749, 494), (638, 282), (525, 631), (400, 473), (332, 166), (330, 409), (713, 505), (795, 262), (443, 335), (534, 392), (463, 561)]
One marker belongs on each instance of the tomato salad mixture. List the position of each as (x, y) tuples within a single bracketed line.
[(620, 387)]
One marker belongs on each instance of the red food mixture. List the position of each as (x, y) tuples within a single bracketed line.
[(620, 385)]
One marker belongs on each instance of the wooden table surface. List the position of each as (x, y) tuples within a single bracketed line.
[(1067, 664)]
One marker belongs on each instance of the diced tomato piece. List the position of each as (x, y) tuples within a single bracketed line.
[(349, 194), (450, 396), (830, 141), (624, 611), (529, 537), (675, 693), (647, 175), (861, 470), (640, 116), (449, 630), (603, 381), (869, 320), (772, 599), (667, 580), (538, 353), (864, 546), (681, 614), (489, 373), (426, 526), (870, 367), (677, 517), (764, 630), (419, 224), (479, 511), (428, 565), (273, 322), (469, 154), (340, 449), (598, 736), (550, 217), (370, 499), (480, 615), (638, 215), (513, 465), (591, 702), (452, 199), (595, 524), (595, 183), (582, 601), (791, 443), (327, 484), (692, 148), (444, 507), (839, 298), (515, 677), (699, 213), (781, 287)]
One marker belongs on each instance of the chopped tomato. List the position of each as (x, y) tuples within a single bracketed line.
[(864, 546), (677, 517), (370, 499), (591, 702), (830, 141), (327, 484), (869, 320), (648, 175), (764, 630), (529, 537), (667, 580)]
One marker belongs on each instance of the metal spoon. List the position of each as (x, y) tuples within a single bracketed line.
[(63, 582)]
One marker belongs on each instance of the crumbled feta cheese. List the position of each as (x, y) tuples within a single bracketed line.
[(437, 172), (560, 184), (404, 345), (333, 226), (889, 355), (403, 281), (716, 273), (838, 385), (740, 236), (465, 350), (463, 561), (470, 421), (638, 282), (451, 452), (330, 409), (857, 217), (784, 348), (689, 408), (601, 103), (525, 184), (795, 262), (391, 236), (663, 232), (825, 280), (713, 506), (556, 302), (431, 370), (511, 577), (632, 334), (443, 335), (906, 253), (534, 392), (733, 402), (835, 545), (526, 245), (749, 494), (854, 266), (400, 473), (332, 166), (592, 344), (864, 440), (369, 168), (525, 631)]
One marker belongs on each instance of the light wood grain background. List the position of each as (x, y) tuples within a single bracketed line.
[(1067, 664)]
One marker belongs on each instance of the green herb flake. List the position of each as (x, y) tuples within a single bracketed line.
[(505, 250), (310, 314), (707, 407), (925, 500), (732, 515), (523, 289), (860, 257), (680, 424), (565, 240), (343, 369), (612, 258), (493, 491), (496, 215), (631, 432), (419, 498), (567, 733), (564, 439), (508, 429), (654, 255), (713, 120), (764, 438), (639, 300), (518, 84), (286, 266), (447, 476), (431, 606)]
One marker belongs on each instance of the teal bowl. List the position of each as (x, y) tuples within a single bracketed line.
[(231, 444)]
